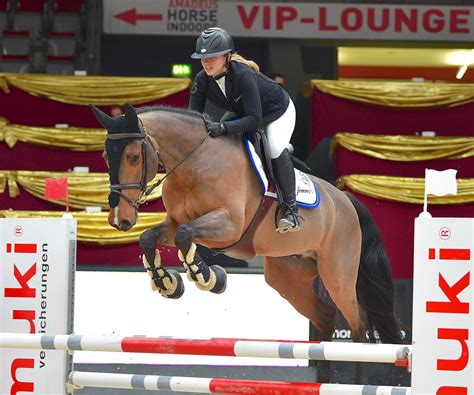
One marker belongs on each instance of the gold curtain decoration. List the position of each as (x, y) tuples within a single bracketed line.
[(396, 94), (94, 227), (98, 90), (74, 139), (85, 189), (404, 189), (404, 148)]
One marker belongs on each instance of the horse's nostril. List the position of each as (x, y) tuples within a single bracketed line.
[(125, 225)]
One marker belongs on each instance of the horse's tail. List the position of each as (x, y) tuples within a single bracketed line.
[(375, 291)]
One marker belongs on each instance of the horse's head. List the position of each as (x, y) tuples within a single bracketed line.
[(132, 162)]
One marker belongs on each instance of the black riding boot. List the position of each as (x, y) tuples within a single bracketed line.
[(284, 173)]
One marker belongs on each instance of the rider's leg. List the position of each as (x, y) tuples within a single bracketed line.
[(285, 174), (279, 134)]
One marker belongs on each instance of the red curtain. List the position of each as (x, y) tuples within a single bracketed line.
[(331, 115), (22, 108)]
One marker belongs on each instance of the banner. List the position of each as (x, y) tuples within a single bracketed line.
[(37, 262), (351, 21), (442, 362)]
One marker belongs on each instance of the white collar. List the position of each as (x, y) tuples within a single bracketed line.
[(221, 83)]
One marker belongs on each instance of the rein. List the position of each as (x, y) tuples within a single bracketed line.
[(186, 156), (144, 192)]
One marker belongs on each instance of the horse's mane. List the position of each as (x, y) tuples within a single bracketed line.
[(187, 114)]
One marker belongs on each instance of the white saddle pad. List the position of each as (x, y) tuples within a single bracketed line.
[(307, 195)]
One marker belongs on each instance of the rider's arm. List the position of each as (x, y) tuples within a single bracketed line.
[(250, 97), (197, 100)]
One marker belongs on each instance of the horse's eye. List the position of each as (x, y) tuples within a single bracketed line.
[(135, 159)]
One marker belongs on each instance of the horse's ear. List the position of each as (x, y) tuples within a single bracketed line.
[(102, 117), (131, 117)]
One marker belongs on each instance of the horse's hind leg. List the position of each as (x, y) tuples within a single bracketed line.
[(293, 278), (339, 276), (214, 225), (168, 283)]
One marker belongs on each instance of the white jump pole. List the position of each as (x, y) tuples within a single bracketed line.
[(326, 351), (78, 380)]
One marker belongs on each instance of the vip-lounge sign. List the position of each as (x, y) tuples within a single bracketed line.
[(292, 20), (37, 261)]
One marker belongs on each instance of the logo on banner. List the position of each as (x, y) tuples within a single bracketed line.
[(182, 16), (18, 231), (445, 233)]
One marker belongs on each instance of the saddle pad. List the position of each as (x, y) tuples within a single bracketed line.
[(307, 195)]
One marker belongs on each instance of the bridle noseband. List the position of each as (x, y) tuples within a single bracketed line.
[(144, 192)]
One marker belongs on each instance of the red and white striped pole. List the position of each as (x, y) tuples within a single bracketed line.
[(78, 380), (330, 351)]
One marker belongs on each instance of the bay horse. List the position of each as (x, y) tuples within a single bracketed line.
[(211, 195)]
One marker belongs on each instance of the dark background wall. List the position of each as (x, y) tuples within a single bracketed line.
[(298, 60), (152, 55)]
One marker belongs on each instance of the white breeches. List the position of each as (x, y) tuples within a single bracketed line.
[(279, 131)]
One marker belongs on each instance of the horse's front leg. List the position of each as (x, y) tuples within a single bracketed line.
[(215, 225), (168, 283)]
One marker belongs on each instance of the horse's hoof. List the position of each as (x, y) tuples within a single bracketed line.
[(221, 279), (179, 290)]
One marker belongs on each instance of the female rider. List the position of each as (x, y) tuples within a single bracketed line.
[(236, 84)]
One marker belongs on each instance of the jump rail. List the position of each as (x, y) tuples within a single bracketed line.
[(328, 351), (79, 380)]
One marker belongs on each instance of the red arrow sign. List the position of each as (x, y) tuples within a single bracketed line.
[(131, 16)]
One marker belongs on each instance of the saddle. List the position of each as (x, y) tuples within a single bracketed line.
[(258, 140)]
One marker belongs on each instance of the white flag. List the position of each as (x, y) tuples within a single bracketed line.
[(440, 183)]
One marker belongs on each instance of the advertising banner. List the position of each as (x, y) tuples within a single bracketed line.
[(348, 21), (37, 262), (442, 307)]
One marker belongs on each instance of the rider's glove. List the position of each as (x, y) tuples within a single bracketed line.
[(216, 129)]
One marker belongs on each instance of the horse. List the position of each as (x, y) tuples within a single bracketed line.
[(212, 194)]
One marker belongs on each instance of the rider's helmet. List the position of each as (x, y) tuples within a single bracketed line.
[(213, 41)]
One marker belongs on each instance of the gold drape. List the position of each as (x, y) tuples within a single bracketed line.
[(85, 189), (404, 189), (405, 148), (98, 90), (74, 139), (396, 94), (93, 227)]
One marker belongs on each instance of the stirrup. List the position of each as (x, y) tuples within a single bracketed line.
[(286, 224)]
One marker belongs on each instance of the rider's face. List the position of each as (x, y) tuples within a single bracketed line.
[(214, 66)]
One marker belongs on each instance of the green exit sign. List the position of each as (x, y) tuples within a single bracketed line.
[(181, 70)]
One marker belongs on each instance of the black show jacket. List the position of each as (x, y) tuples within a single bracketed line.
[(256, 98)]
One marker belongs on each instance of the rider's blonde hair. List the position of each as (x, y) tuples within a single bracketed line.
[(241, 59)]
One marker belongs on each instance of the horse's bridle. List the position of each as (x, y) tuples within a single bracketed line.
[(116, 188)]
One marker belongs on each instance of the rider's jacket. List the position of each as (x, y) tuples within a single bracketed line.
[(254, 97)]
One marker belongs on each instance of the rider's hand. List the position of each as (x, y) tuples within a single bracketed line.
[(216, 129)]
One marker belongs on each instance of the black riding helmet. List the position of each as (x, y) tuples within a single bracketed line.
[(213, 41)]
